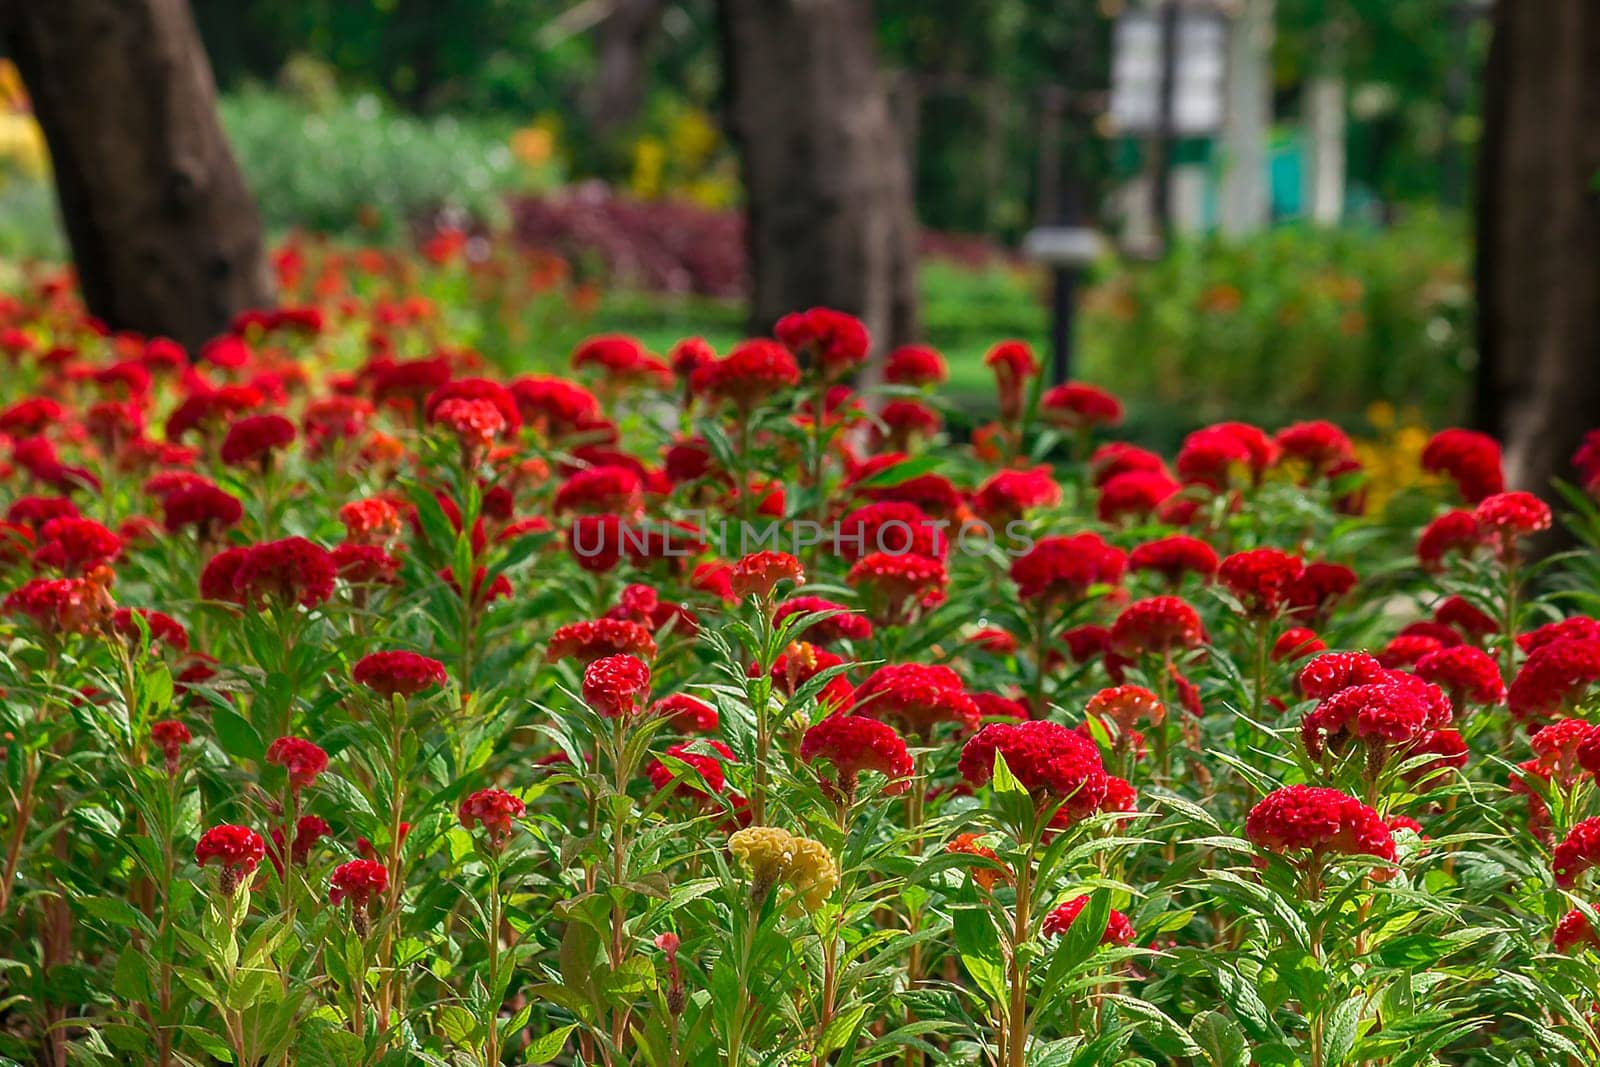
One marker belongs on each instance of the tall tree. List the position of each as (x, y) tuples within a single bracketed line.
[(1539, 235), (826, 178), (164, 233)]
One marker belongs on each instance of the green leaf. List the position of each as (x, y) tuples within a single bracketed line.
[(547, 1047), (236, 736), (1342, 1024), (1220, 1038)]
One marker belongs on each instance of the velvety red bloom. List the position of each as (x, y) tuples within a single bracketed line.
[(1211, 457), (1320, 445), (411, 381), (1260, 579), (1322, 820), (1318, 587), (1119, 931), (1172, 557), (1013, 365), (33, 415), (1127, 706), (831, 340), (238, 850), (689, 715), (1560, 748), (1448, 749), (1454, 531), (1577, 852), (1297, 642), (254, 439), (1119, 457), (308, 830), (708, 764), (897, 586), (365, 565), (916, 696), (493, 809), (892, 527), (802, 662), (1333, 671), (34, 511), (202, 505), (555, 407), (1078, 406), (1441, 635), (206, 408), (1573, 933), (1158, 625), (165, 632), (1470, 675), (856, 743), (618, 355), (1009, 494), (914, 365), (170, 735), (907, 420), (1404, 650), (992, 707), (1064, 568), (933, 493), (759, 573), (1135, 494), (331, 419), (1573, 628), (594, 639), (290, 571), (75, 545), (475, 423), (994, 640), (748, 375), (1051, 761), (302, 759), (596, 542), (1393, 711), (1469, 458), (1553, 680), (689, 355), (599, 490), (614, 685), (1470, 621), (475, 389), (359, 882), (371, 521), (1505, 518), (64, 605), (843, 625), (641, 604), (398, 673)]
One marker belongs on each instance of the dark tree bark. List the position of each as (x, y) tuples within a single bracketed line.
[(830, 216), (1539, 236), (166, 238), (617, 92)]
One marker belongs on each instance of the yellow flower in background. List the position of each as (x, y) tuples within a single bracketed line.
[(1392, 458), (649, 160), (534, 145), (22, 147), (773, 857)]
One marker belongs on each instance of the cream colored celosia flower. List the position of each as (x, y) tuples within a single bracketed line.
[(774, 856)]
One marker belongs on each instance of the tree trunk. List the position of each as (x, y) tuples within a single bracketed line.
[(827, 181), (1325, 131), (1539, 236), (617, 91), (1245, 205), (164, 233)]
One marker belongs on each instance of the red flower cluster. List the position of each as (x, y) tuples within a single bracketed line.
[(493, 809), (614, 685), (1119, 931), (708, 765), (1051, 761), (1065, 568), (1079, 406), (592, 639), (1260, 579), (1393, 711), (255, 439), (688, 714), (1470, 675), (238, 850), (1173, 557), (358, 882), (302, 759), (1553, 680), (918, 697), (748, 375), (856, 743), (760, 572), (1577, 852), (1468, 458), (1157, 626), (398, 673), (1325, 821), (842, 625), (834, 342)]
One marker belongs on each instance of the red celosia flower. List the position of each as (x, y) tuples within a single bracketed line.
[(166, 633), (1560, 748), (689, 715), (365, 565), (1051, 761), (856, 743), (914, 365), (1013, 364), (594, 639), (1159, 626), (75, 545), (1469, 458), (601, 490), (618, 355), (1135, 494), (254, 439), (359, 882), (917, 696), (748, 375), (641, 604), (475, 423), (898, 586), (1009, 494), (992, 707), (1127, 706), (1079, 406), (759, 573), (206, 409), (1471, 622), (302, 759), (555, 407), (64, 605), (1172, 557), (33, 415), (35, 511), (614, 685), (1404, 650), (170, 736), (709, 766), (1393, 711), (596, 542), (892, 527), (398, 673), (1260, 579), (1297, 642), (1119, 457), (1320, 445), (1322, 820), (290, 571), (1448, 749), (1470, 675), (1317, 588), (802, 662), (1064, 568), (370, 521), (1333, 671), (1574, 932), (833, 341), (202, 505), (328, 420), (1119, 931), (1211, 456), (1577, 852), (933, 493), (1505, 518), (493, 809), (994, 640), (1573, 628), (1454, 531), (1553, 680), (475, 389), (843, 625), (238, 850)]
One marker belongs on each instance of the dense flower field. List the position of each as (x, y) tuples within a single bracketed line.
[(364, 703)]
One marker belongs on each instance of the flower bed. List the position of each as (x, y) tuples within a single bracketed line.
[(364, 703)]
